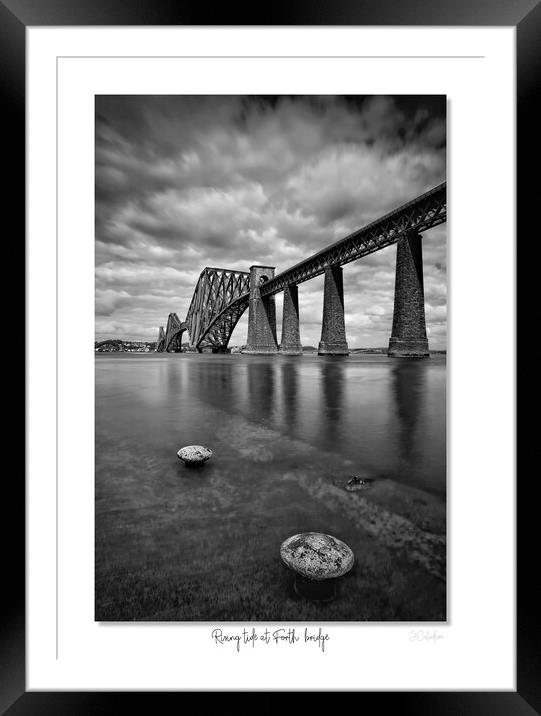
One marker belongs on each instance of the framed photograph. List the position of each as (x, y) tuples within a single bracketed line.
[(271, 441)]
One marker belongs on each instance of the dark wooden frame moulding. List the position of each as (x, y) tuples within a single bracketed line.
[(525, 15)]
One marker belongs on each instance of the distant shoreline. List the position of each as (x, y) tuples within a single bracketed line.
[(118, 345)]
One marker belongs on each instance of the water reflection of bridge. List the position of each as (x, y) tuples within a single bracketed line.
[(221, 296), (357, 408)]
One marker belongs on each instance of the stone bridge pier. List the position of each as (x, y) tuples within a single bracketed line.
[(408, 337), (291, 340), (261, 314), (333, 330)]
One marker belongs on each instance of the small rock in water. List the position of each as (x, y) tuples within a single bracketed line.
[(353, 483), (357, 483), (194, 454)]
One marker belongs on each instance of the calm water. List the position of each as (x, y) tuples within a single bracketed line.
[(386, 415), (282, 430)]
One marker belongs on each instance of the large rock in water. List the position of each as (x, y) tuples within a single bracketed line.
[(194, 454), (317, 556)]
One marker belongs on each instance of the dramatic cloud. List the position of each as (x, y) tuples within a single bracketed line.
[(184, 182)]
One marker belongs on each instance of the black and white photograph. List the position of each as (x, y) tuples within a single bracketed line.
[(270, 358)]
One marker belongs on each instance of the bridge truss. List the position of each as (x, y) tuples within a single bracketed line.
[(424, 212), (214, 311), (173, 335), (221, 296), (160, 343), (213, 314)]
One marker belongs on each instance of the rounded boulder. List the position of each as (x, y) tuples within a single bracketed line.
[(194, 454), (317, 556)]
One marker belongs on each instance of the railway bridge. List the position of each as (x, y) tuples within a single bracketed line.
[(221, 295)]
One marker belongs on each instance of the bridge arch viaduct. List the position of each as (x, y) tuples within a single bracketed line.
[(221, 296)]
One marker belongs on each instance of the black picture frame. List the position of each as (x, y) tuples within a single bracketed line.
[(525, 15)]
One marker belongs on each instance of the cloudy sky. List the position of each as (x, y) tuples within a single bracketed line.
[(184, 182)]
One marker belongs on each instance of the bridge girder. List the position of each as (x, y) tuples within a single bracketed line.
[(424, 212), (214, 310), (221, 328), (173, 334), (160, 343), (221, 296)]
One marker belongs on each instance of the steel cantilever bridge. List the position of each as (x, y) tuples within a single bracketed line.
[(221, 295)]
